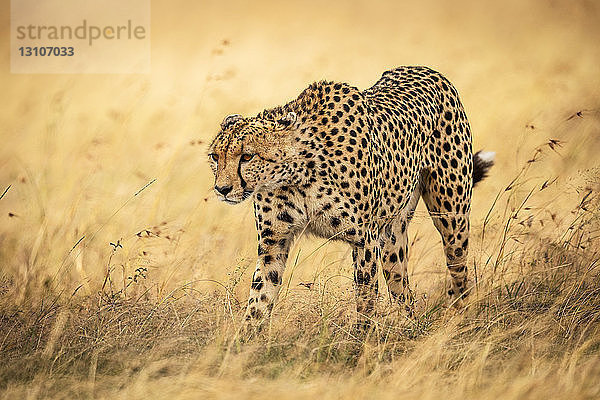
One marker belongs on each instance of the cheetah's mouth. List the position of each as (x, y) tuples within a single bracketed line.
[(230, 201), (246, 194)]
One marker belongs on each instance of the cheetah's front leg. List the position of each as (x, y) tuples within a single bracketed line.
[(394, 262), (276, 228), (264, 289), (365, 279)]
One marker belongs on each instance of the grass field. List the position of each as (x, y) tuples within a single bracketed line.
[(122, 276)]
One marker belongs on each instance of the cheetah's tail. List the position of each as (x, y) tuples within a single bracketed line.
[(482, 162)]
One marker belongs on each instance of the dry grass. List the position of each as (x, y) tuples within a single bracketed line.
[(122, 276)]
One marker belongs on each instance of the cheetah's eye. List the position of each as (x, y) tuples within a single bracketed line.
[(214, 157), (247, 157)]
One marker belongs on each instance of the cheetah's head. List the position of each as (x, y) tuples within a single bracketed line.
[(251, 154)]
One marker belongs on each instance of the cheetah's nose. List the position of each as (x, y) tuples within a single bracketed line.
[(223, 189)]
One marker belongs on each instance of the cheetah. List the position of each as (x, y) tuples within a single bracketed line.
[(351, 165)]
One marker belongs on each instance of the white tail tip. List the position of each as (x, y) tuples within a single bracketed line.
[(487, 156)]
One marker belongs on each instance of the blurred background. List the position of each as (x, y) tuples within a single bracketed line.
[(76, 148), (113, 245)]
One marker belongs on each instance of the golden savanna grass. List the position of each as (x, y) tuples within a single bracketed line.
[(123, 277)]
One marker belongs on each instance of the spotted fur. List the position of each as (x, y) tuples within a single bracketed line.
[(352, 165)]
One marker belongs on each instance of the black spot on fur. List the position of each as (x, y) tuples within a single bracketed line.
[(273, 276), (257, 283), (285, 217)]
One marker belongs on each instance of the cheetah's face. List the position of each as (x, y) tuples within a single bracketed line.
[(249, 155)]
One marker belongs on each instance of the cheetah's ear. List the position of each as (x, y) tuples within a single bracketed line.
[(288, 120), (230, 120)]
